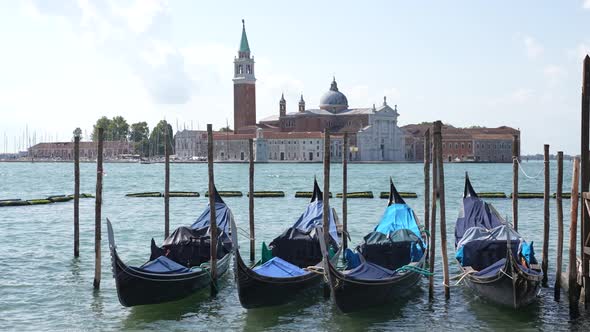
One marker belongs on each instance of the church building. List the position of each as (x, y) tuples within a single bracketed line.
[(373, 132)]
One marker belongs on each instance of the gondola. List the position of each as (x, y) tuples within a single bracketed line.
[(180, 267), (278, 280), (386, 265), (497, 263)]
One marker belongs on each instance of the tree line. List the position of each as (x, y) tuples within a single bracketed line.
[(146, 142)]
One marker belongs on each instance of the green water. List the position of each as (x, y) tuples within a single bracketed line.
[(42, 287)]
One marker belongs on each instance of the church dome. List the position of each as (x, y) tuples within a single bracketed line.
[(333, 100)]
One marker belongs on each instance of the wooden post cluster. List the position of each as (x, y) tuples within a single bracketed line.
[(545, 261), (345, 192), (326, 198), (251, 199), (441, 197), (585, 185), (559, 207), (97, 210), (326, 203), (432, 244), (212, 214), (76, 196), (515, 182), (427, 149), (572, 280), (166, 184)]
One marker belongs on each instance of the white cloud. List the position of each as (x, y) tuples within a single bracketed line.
[(554, 73), (519, 96), (139, 34), (532, 47), (581, 50), (586, 4)]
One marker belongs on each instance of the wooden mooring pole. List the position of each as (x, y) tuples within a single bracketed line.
[(427, 149), (345, 193), (574, 291), (432, 244), (251, 199), (559, 207), (212, 214), (441, 197), (515, 182), (166, 184), (326, 203), (585, 185), (545, 261), (97, 210), (76, 196)]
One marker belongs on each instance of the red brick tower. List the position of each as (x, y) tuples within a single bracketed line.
[(244, 88)]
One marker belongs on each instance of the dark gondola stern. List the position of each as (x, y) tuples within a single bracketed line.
[(468, 191), (112, 248), (216, 196), (394, 196), (238, 262), (117, 265), (317, 193)]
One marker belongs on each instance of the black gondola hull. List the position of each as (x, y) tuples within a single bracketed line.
[(511, 290), (138, 288), (255, 291), (351, 295)]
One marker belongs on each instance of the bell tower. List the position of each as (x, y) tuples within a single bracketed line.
[(282, 106), (244, 87)]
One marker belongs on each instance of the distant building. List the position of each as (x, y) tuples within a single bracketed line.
[(268, 146), (464, 144), (88, 150), (298, 136)]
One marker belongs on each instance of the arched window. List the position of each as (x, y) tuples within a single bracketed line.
[(248, 69)]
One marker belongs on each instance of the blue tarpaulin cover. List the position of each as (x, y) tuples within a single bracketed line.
[(528, 252), (313, 216), (491, 270), (222, 215), (398, 216), (163, 264), (279, 268), (370, 271), (353, 259), (476, 213)]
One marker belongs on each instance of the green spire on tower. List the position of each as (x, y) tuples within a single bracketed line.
[(244, 47)]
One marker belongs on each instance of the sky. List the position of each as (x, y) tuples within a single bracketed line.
[(64, 64)]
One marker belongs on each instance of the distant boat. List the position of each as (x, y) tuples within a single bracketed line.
[(180, 267), (497, 263), (285, 274), (144, 161), (386, 265)]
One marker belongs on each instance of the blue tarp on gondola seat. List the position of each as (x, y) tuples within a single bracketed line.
[(279, 268), (398, 216), (163, 264), (370, 271), (491, 270), (222, 215), (313, 216), (476, 213)]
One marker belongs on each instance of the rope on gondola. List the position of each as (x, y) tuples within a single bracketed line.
[(206, 267), (317, 270), (245, 233), (524, 173), (412, 268)]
